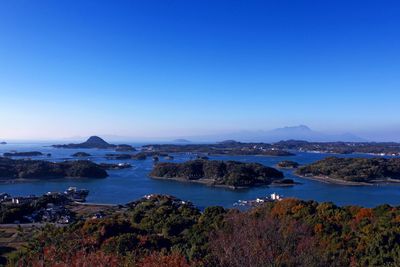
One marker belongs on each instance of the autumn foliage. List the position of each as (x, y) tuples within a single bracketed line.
[(164, 231)]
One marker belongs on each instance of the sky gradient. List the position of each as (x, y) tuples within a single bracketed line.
[(182, 68)]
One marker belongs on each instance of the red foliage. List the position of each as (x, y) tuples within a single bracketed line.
[(78, 259), (157, 259), (264, 241)]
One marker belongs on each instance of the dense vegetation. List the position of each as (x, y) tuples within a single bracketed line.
[(230, 173), (354, 169), (37, 169), (165, 231)]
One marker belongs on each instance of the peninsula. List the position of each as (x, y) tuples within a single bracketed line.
[(232, 174), (354, 171)]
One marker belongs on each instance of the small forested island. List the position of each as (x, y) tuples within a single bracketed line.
[(232, 174), (137, 156), (161, 230), (23, 154), (229, 147), (288, 164), (353, 170), (81, 155), (96, 142), (3, 143), (11, 169)]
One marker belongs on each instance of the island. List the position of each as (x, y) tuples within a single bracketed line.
[(115, 156), (81, 155), (3, 143), (375, 148), (280, 149), (231, 174), (96, 142), (353, 171), (288, 164), (228, 147), (11, 169), (23, 154)]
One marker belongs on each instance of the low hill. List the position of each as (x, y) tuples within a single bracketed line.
[(223, 173)]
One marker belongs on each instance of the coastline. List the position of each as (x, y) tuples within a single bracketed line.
[(329, 180), (208, 182), (25, 180)]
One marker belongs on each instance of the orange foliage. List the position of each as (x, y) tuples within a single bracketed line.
[(318, 228), (284, 207), (363, 213)]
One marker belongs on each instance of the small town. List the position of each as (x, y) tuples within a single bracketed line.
[(47, 208)]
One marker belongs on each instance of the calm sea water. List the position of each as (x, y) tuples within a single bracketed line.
[(123, 186)]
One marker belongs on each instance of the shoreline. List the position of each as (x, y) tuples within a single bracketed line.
[(329, 180), (207, 182)]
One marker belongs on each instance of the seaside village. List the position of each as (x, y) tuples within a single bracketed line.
[(47, 208)]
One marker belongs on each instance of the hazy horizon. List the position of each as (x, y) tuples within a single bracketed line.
[(181, 69), (267, 135)]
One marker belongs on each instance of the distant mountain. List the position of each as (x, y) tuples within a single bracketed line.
[(303, 132), (300, 132), (181, 141), (228, 142)]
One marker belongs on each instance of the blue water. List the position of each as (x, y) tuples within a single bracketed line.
[(123, 186)]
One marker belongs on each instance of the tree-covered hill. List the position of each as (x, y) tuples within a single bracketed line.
[(165, 231), (229, 173), (354, 169)]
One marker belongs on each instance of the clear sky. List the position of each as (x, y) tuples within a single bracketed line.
[(176, 68)]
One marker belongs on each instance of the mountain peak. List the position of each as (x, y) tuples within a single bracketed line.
[(298, 127), (95, 140)]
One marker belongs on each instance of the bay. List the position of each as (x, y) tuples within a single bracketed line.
[(126, 185)]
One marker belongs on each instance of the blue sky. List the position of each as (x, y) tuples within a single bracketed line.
[(181, 68)]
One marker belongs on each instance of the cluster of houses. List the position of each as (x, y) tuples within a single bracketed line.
[(54, 209), (271, 198), (52, 213), (72, 194), (7, 198)]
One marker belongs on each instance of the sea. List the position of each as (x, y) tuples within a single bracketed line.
[(123, 186)]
